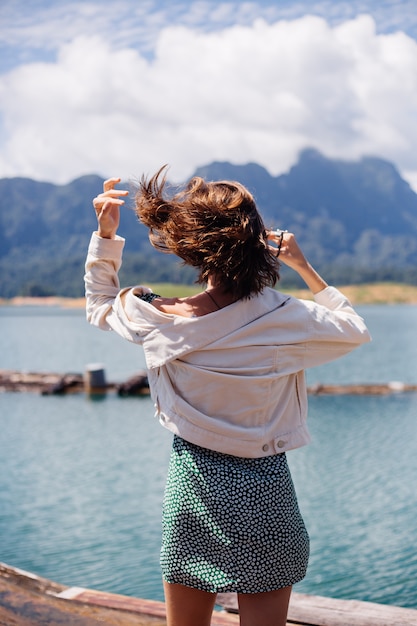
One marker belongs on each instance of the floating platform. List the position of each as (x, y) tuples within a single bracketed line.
[(357, 389), (29, 600), (49, 383)]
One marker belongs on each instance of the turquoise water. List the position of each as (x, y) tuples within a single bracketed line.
[(81, 481)]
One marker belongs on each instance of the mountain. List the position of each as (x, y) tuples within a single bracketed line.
[(356, 221)]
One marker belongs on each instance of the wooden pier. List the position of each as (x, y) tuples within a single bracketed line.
[(51, 383), (29, 600)]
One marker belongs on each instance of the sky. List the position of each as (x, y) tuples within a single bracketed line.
[(121, 88)]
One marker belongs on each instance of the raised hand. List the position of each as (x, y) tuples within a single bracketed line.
[(107, 207), (291, 254), (287, 248)]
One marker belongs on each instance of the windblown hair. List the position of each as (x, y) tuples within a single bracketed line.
[(212, 226)]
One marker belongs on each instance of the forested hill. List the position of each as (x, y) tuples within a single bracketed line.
[(357, 222)]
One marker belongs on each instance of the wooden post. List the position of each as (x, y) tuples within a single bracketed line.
[(95, 379)]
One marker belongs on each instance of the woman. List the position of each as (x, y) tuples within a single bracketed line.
[(226, 373)]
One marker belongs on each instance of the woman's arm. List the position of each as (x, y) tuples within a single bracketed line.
[(104, 256), (335, 322)]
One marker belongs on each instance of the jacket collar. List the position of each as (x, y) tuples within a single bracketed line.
[(173, 336)]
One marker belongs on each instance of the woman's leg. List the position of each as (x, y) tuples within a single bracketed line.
[(186, 606), (268, 609)]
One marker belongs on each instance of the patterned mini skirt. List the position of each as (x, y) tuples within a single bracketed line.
[(231, 524)]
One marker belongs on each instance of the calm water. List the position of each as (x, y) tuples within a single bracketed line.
[(81, 481)]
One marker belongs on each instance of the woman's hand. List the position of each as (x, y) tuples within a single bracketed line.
[(107, 206), (290, 253), (287, 248)]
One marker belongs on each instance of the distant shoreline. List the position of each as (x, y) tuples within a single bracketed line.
[(50, 301), (370, 293)]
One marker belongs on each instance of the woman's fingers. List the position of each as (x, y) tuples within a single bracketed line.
[(110, 183), (109, 194), (104, 198), (286, 248), (110, 191), (107, 205)]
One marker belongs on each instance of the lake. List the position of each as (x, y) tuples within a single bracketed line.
[(81, 480)]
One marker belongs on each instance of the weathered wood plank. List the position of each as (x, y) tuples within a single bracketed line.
[(29, 600), (321, 611), (150, 608), (22, 606), (334, 612)]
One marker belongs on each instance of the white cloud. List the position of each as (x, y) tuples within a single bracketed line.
[(246, 93)]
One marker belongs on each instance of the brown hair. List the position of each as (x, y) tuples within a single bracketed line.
[(213, 226)]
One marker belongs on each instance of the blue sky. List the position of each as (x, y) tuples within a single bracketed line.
[(120, 88)]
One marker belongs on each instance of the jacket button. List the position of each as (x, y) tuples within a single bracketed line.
[(265, 448), (281, 443)]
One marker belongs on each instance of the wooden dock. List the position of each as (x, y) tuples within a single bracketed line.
[(52, 383), (29, 600)]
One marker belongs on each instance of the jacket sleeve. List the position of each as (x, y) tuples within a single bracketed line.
[(334, 328), (102, 287), (105, 301)]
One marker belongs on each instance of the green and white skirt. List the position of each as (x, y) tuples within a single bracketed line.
[(231, 524)]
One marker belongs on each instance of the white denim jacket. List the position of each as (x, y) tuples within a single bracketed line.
[(233, 380)]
